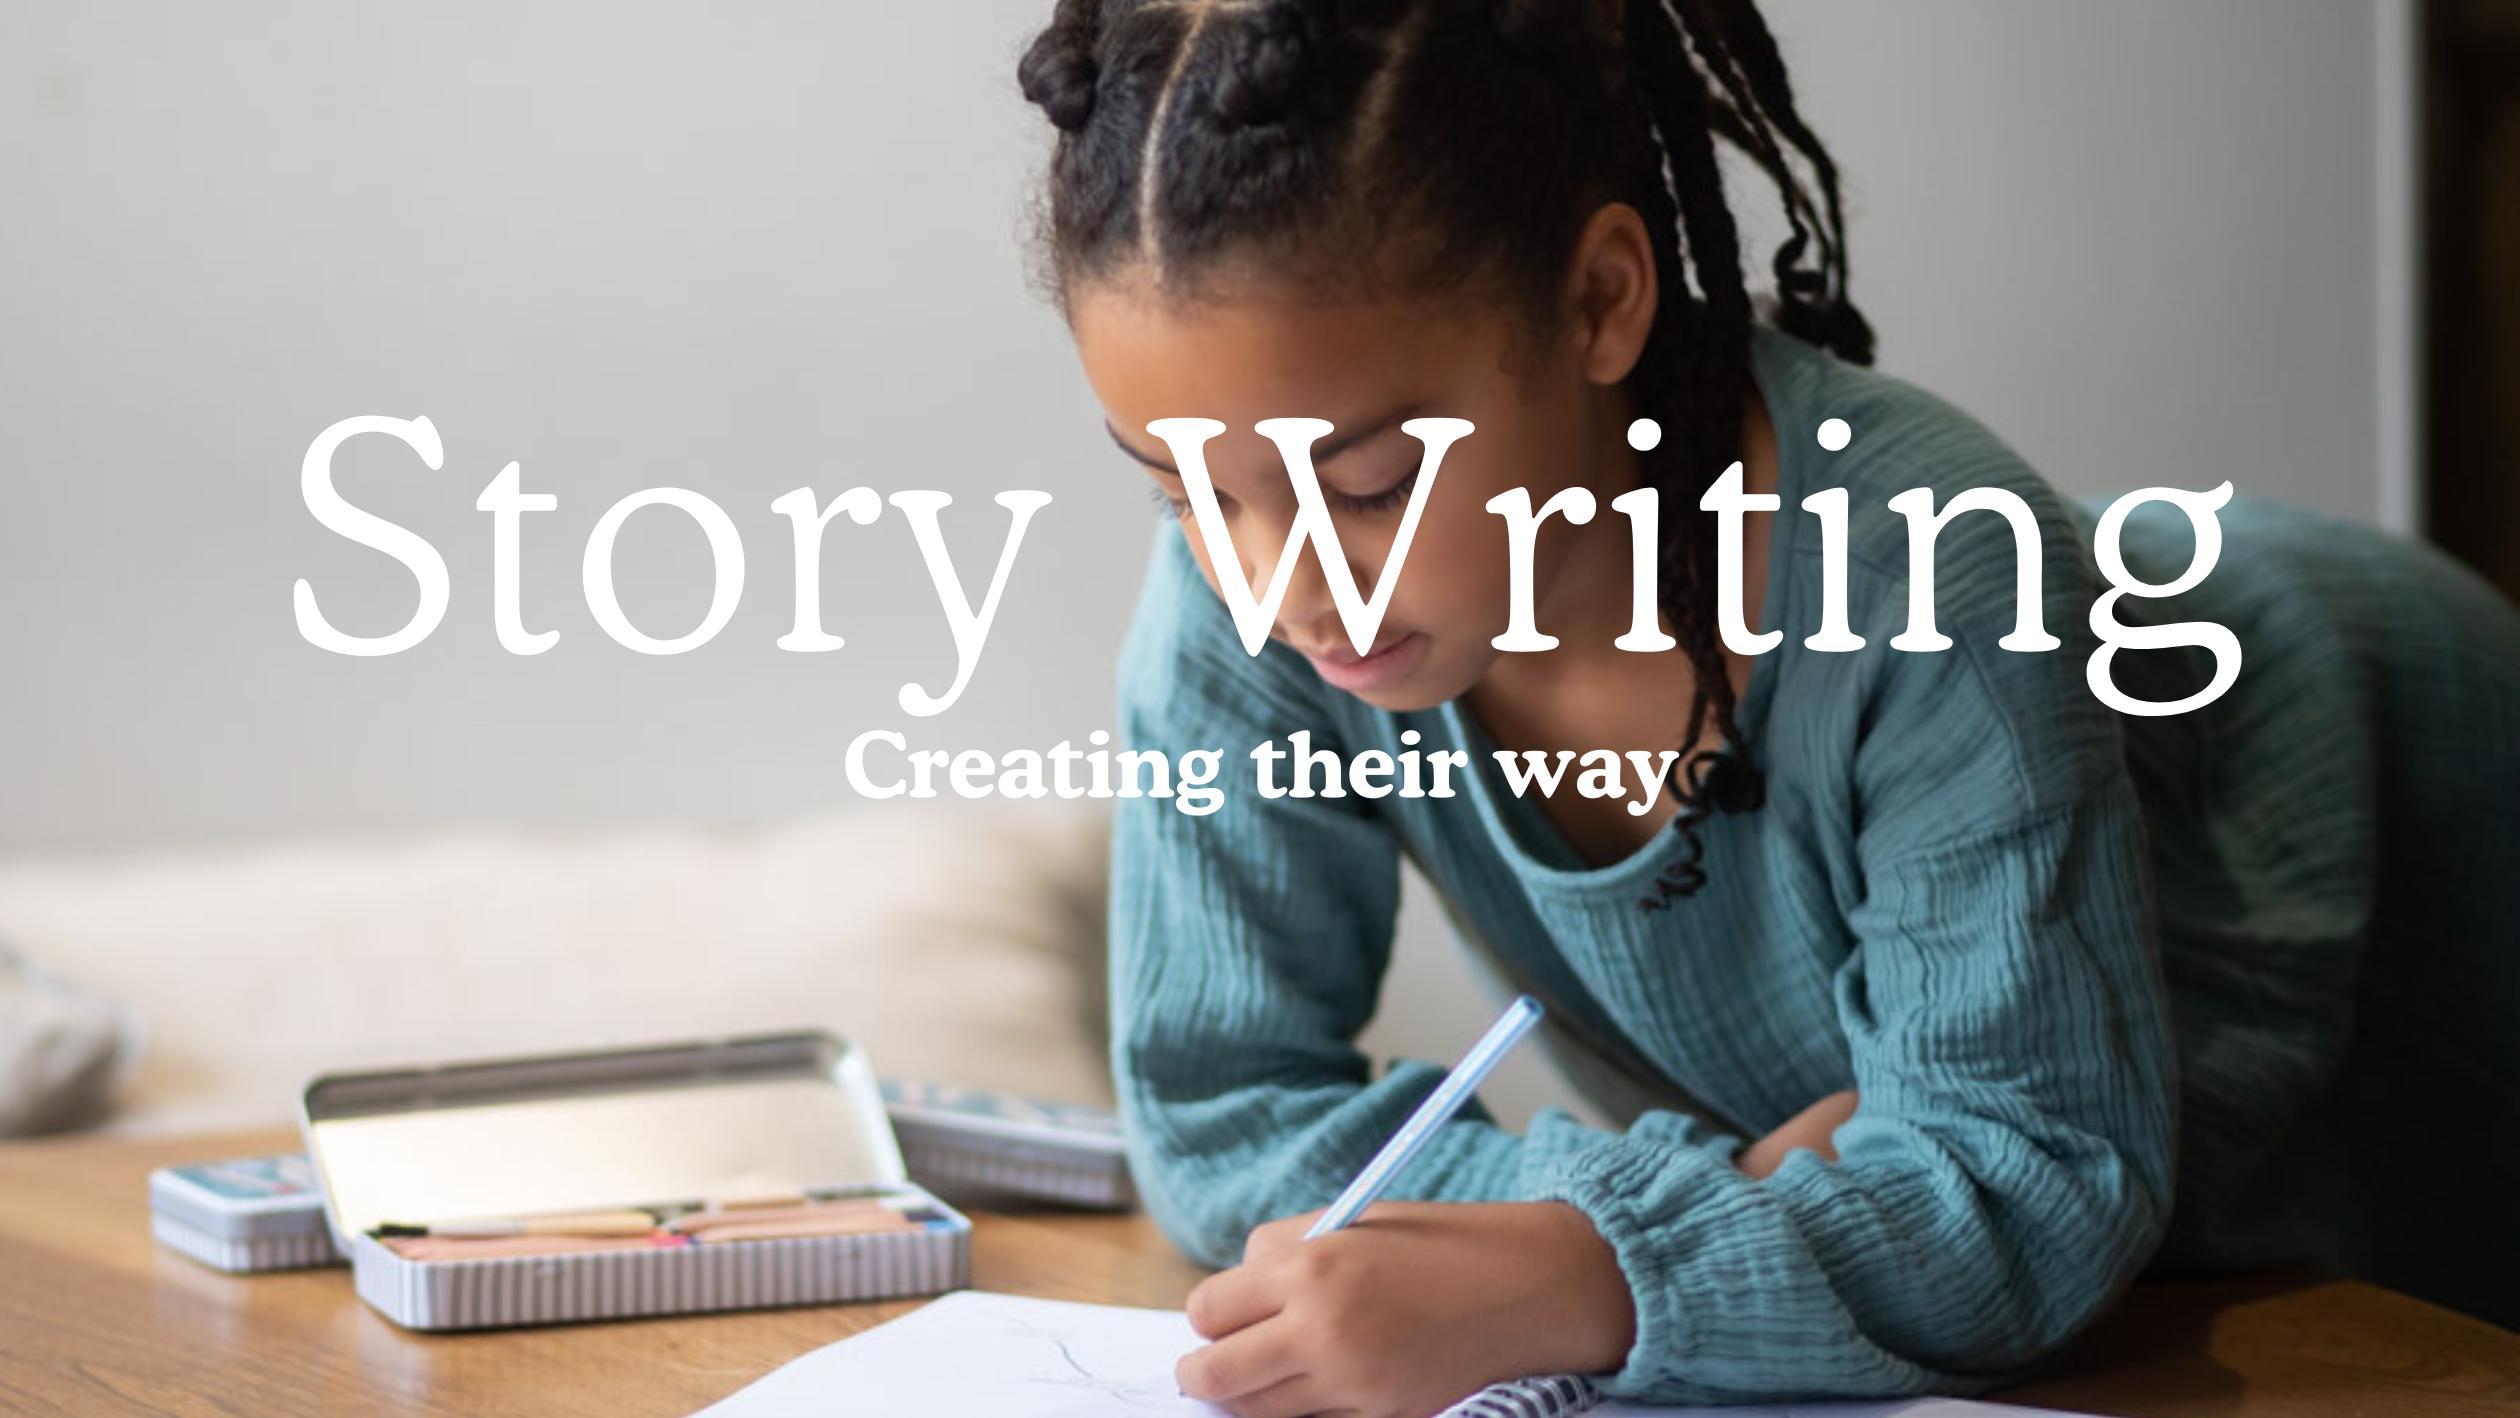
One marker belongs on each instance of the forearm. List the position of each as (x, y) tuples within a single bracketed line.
[(1234, 1123), (1917, 1263), (1683, 1279), (1219, 1151)]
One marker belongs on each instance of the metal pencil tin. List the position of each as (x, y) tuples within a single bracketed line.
[(663, 1126), (244, 1214), (969, 1142)]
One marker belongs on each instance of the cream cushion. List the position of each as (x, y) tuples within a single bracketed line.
[(958, 943)]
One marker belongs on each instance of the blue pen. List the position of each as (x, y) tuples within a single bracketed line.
[(1439, 1107)]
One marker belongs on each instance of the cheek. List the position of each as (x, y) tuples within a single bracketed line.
[(1456, 574)]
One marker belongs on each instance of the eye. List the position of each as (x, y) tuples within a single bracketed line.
[(1386, 500), (1169, 503)]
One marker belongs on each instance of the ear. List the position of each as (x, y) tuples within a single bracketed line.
[(1613, 291)]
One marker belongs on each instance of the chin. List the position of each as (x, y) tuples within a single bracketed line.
[(1435, 683), (1404, 676), (1404, 698)]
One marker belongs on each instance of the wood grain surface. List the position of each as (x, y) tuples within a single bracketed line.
[(95, 1318)]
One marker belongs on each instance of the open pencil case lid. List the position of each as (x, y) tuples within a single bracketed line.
[(668, 1127), (587, 1131)]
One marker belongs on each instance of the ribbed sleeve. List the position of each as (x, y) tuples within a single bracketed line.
[(2009, 1171)]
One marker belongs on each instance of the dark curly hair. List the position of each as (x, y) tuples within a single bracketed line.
[(1455, 142)]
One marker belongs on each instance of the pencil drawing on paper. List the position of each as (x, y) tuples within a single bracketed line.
[(1061, 1367)]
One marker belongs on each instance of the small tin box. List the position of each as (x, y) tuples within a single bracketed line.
[(247, 1213), (966, 1142), (674, 1131)]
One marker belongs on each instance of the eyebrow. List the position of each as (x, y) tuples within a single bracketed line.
[(1323, 452)]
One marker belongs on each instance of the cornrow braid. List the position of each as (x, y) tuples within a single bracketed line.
[(1811, 305), (1364, 141), (1696, 362)]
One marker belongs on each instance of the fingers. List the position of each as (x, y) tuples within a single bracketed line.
[(1232, 1300), (1811, 1128), (1240, 1366), (1275, 1236), (1297, 1397), (1825, 1117)]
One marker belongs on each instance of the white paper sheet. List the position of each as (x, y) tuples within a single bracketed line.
[(972, 1353), (1009, 1357)]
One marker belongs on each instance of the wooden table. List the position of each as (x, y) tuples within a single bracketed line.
[(96, 1319)]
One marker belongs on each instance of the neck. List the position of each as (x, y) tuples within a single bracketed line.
[(1590, 603)]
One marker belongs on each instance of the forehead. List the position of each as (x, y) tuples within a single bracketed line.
[(1245, 359)]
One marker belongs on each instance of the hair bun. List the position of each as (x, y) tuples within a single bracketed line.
[(1059, 76), (1265, 59)]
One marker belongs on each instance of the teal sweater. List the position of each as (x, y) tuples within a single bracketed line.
[(2095, 977)]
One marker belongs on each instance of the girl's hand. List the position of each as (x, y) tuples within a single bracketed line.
[(1411, 1308), (1809, 1128)]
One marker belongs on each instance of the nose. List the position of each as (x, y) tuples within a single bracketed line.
[(1309, 616)]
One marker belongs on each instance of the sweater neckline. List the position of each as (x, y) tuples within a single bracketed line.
[(1530, 839)]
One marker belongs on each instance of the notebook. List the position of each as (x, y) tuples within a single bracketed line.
[(1019, 1358)]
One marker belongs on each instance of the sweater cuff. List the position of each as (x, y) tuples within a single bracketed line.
[(1684, 1278)]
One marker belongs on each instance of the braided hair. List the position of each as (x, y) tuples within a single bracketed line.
[(1450, 142)]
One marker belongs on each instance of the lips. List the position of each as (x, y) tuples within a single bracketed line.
[(1389, 663)]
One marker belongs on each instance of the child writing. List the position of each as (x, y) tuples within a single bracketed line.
[(1936, 998)]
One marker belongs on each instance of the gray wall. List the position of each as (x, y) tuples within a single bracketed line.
[(772, 246), (739, 251), (2140, 238), (632, 246)]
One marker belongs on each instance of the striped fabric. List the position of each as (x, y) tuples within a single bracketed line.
[(1550, 1396)]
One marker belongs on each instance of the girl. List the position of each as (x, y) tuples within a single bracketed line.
[(2016, 996)]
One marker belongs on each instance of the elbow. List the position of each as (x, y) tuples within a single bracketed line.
[(1201, 1240), (2064, 1259), (1219, 1150), (1205, 1216), (2123, 1223), (1201, 1179), (1178, 1181), (2004, 1246), (2118, 1245)]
